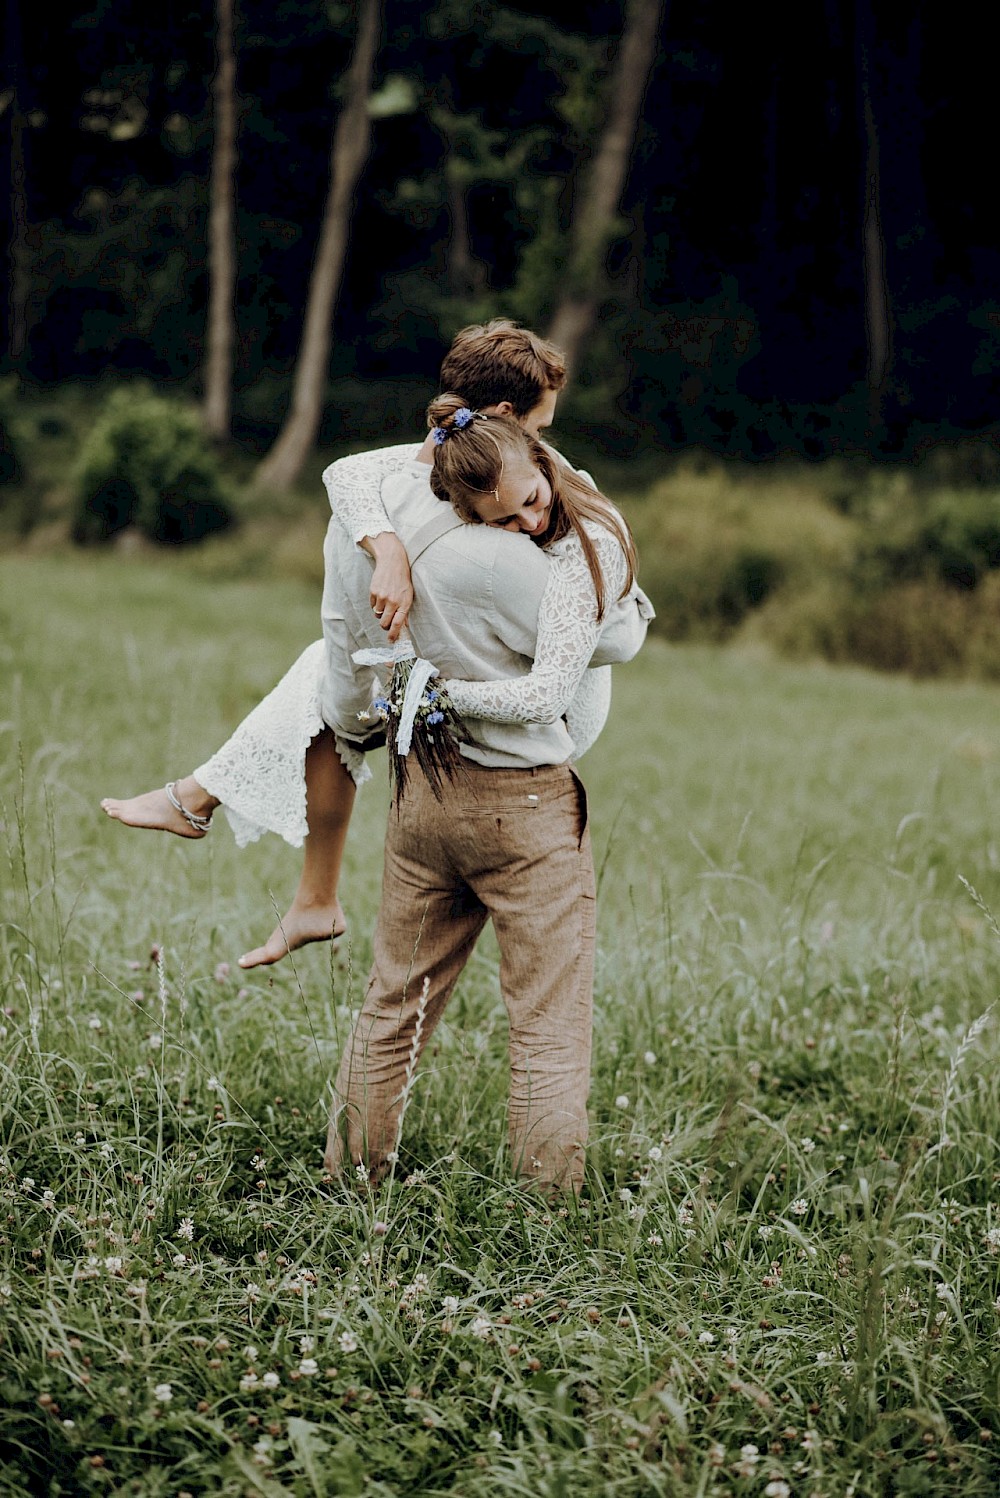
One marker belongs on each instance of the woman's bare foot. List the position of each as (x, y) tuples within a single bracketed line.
[(155, 810), (302, 924)]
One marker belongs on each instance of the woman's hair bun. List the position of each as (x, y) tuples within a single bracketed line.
[(443, 408)]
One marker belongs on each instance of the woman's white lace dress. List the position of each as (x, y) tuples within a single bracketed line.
[(259, 773)]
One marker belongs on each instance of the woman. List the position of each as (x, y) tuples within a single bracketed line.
[(282, 757)]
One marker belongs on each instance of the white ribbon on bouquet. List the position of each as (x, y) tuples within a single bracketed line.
[(421, 673)]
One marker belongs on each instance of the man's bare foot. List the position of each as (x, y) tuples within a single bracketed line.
[(302, 924), (156, 811)]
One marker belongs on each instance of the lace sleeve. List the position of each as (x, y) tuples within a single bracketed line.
[(354, 488), (567, 634)]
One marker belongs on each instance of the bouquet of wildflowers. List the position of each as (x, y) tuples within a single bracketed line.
[(419, 720)]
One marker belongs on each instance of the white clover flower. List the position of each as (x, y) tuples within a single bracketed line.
[(270, 1381), (621, 1101), (214, 1085), (481, 1327), (186, 1229), (6, 1291), (807, 1145), (706, 1338), (625, 1196), (654, 1240), (163, 1393), (28, 1184), (306, 1344), (650, 1058), (799, 1207), (450, 1305), (308, 1367), (248, 1382), (992, 1240), (655, 1154), (777, 1488), (347, 1342), (113, 1264), (258, 1162), (179, 1261), (251, 1292), (495, 1438), (824, 1359), (94, 1022), (250, 1353), (732, 1334)]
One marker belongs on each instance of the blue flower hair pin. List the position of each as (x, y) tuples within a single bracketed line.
[(460, 420)]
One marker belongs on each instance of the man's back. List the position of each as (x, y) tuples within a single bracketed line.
[(477, 591)]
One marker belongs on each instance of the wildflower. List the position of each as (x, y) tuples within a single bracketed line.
[(992, 1240), (163, 1393), (48, 1199), (621, 1101), (495, 1438), (716, 1454), (654, 1240), (450, 1304), (221, 972), (251, 1293), (380, 1229), (810, 1441), (435, 717), (418, 1286), (248, 1382), (777, 1488), (270, 1381), (156, 1040), (706, 1338), (650, 1058), (347, 1342), (624, 1196), (824, 1359), (28, 1184), (186, 1229), (764, 1232), (258, 1163), (306, 1344), (481, 1327), (308, 1367), (807, 1146), (655, 1154), (799, 1207), (179, 1261), (94, 1022), (214, 1085), (732, 1334), (747, 1464), (250, 1353), (361, 1172), (113, 1265), (6, 1291)]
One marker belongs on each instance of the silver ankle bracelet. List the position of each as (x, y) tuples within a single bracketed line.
[(200, 824)]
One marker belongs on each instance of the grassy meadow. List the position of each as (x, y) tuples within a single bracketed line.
[(783, 1278)]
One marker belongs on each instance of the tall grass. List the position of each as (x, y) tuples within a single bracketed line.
[(783, 1274)]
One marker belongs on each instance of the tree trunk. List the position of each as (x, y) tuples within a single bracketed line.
[(19, 273), (220, 332), (599, 196), (349, 152), (878, 326)]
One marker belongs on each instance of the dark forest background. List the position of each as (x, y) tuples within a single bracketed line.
[(241, 235), (734, 314)]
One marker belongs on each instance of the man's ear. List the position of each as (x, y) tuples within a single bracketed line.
[(503, 408)]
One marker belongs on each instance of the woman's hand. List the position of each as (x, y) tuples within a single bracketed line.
[(391, 591)]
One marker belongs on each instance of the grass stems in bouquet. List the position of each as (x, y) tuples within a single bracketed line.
[(427, 729)]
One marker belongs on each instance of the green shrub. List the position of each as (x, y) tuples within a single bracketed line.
[(146, 463), (714, 547), (952, 536), (919, 626)]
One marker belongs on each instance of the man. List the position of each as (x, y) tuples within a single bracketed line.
[(509, 841)]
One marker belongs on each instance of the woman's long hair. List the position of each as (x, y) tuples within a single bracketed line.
[(469, 458)]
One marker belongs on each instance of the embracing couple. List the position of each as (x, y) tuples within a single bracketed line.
[(516, 578)]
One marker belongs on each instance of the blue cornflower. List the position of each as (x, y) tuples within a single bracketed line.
[(439, 434), (435, 717), (381, 704), (463, 416)]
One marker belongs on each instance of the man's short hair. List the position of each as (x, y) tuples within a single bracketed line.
[(499, 361)]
